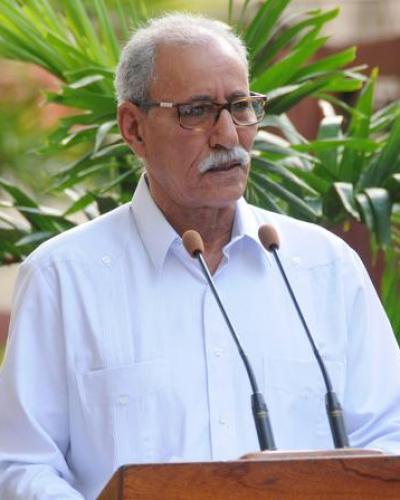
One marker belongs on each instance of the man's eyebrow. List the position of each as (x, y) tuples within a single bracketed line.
[(208, 98), (200, 97), (238, 93)]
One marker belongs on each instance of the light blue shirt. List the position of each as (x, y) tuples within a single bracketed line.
[(118, 352)]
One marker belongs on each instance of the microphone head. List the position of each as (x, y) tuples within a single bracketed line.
[(268, 237), (193, 242)]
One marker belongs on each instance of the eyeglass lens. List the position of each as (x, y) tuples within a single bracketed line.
[(202, 115)]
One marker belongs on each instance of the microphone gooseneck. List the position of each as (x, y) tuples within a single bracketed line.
[(194, 245), (270, 241)]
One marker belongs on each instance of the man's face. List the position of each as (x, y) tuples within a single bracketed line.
[(172, 154)]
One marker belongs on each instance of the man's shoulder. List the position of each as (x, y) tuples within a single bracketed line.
[(102, 237), (315, 244)]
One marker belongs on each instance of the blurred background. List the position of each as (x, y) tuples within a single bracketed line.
[(25, 119)]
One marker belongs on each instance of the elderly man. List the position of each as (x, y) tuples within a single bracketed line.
[(118, 352)]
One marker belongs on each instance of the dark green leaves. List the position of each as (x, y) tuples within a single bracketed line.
[(263, 23)]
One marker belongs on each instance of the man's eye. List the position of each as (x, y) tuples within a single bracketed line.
[(195, 110), (240, 105)]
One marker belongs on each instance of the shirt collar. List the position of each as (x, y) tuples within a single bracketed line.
[(158, 235), (155, 231), (245, 227)]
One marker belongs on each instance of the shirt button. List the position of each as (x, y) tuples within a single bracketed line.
[(123, 399), (218, 351), (222, 421), (106, 259)]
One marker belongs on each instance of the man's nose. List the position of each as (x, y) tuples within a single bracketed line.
[(224, 132)]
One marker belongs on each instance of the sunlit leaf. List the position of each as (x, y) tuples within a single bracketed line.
[(381, 206), (340, 202)]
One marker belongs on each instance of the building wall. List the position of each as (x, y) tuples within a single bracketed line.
[(359, 20)]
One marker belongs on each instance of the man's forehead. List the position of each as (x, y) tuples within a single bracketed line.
[(194, 69), (212, 44)]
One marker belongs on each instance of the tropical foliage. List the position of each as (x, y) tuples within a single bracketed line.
[(350, 171)]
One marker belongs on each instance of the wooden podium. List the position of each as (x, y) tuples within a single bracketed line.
[(347, 474)]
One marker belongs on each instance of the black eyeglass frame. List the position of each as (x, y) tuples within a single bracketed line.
[(220, 107)]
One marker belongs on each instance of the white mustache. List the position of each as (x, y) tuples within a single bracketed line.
[(221, 157)]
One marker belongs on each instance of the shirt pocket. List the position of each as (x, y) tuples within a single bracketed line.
[(123, 407), (114, 386), (295, 394)]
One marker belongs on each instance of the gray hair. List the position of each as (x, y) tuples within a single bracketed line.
[(136, 66)]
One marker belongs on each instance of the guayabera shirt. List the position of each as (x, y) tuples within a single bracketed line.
[(118, 352)]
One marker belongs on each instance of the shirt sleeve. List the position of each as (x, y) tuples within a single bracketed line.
[(372, 393), (34, 418)]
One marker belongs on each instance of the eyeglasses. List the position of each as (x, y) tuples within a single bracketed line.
[(202, 115)]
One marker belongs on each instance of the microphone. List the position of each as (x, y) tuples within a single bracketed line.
[(270, 241), (194, 245)]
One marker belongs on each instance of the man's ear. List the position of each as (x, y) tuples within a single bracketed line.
[(130, 121)]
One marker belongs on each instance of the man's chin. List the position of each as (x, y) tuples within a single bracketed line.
[(221, 199)]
